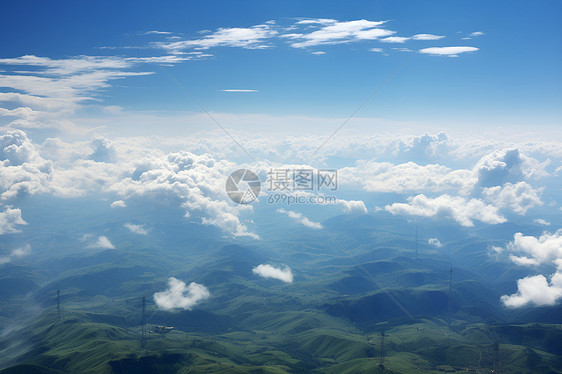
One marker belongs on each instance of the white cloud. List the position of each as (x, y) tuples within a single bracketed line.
[(268, 271), (508, 165), (16, 253), (155, 32), (543, 250), (461, 210), (541, 221), (536, 290), (403, 49), (447, 51), (523, 260), (518, 197), (353, 206), (435, 242), (319, 53), (197, 180), (180, 296), (102, 243), (395, 39), (118, 204), (238, 90), (427, 37), (301, 219), (255, 37), (10, 218), (476, 33), (408, 177), (494, 249), (328, 31), (136, 229)]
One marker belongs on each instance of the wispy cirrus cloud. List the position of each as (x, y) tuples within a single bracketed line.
[(254, 37), (330, 31), (15, 254), (136, 229), (298, 217)]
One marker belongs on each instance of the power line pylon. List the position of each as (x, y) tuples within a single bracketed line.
[(58, 305), (382, 353), (143, 323)]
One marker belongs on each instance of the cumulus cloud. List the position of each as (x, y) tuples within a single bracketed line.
[(103, 150), (180, 296), (407, 177), (10, 218), (536, 290), (461, 210), (137, 229), (197, 180), (15, 254), (447, 51), (102, 242), (268, 271), (545, 249), (435, 242), (298, 217), (22, 169), (532, 251), (141, 168), (118, 204), (508, 165), (352, 206), (518, 197)]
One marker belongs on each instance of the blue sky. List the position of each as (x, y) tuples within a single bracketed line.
[(513, 78)]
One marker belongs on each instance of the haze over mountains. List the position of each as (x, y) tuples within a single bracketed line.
[(273, 291)]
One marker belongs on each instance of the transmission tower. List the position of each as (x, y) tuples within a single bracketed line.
[(58, 305), (382, 353), (450, 297), (416, 241), (143, 323), (496, 357)]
